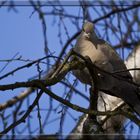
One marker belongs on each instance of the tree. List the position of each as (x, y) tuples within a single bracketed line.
[(115, 22)]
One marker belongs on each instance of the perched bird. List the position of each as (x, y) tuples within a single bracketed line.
[(106, 58)]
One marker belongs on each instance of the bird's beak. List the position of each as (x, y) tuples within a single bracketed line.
[(87, 35)]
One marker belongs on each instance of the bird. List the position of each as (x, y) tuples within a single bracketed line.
[(105, 57)]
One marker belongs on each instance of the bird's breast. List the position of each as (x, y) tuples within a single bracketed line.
[(86, 48)]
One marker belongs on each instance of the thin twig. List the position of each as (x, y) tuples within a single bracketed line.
[(23, 118)]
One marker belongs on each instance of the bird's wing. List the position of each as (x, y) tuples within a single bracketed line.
[(114, 59)]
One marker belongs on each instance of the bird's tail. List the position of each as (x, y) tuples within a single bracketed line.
[(137, 109), (129, 93), (137, 101), (132, 97)]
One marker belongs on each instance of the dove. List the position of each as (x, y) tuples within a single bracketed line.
[(106, 58)]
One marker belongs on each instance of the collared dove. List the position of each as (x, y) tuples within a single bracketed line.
[(106, 58)]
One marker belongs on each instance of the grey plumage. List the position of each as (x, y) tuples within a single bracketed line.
[(106, 58)]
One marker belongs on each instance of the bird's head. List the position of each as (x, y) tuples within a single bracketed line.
[(88, 29)]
